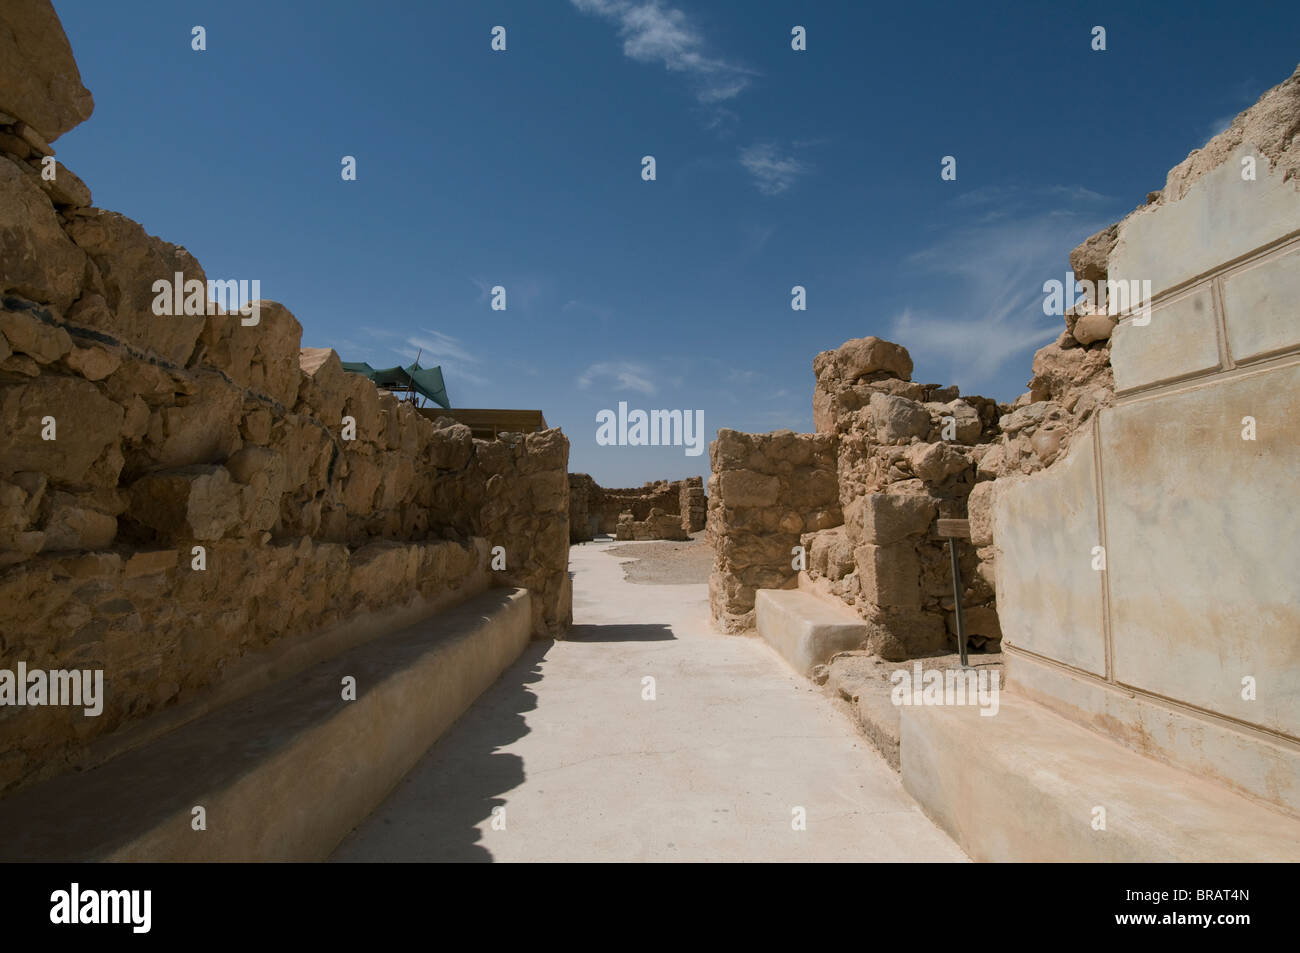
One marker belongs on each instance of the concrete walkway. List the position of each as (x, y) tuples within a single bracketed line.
[(585, 769)]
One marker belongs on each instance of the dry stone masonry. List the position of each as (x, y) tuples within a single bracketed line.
[(765, 492), (660, 509), (892, 457), (179, 491)]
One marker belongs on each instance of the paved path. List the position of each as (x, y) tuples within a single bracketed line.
[(585, 769)]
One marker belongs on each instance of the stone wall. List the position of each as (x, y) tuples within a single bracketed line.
[(656, 525), (1146, 574), (177, 492), (692, 504), (908, 455), (582, 521), (602, 509), (899, 456), (766, 490)]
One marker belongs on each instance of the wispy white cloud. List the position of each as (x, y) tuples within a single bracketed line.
[(438, 346), (1218, 126), (653, 32), (575, 305), (993, 272), (773, 171), (625, 375)]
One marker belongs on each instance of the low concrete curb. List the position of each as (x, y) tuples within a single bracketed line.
[(1026, 785), (284, 773), (806, 630)]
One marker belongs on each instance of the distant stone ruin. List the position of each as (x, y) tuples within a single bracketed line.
[(660, 509)]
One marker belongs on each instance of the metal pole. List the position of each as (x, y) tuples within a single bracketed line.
[(956, 596)]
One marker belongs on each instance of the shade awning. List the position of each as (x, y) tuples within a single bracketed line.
[(425, 381)]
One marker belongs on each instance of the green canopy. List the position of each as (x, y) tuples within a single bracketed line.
[(426, 381)]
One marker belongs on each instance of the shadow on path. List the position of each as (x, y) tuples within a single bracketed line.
[(459, 781), (628, 632)]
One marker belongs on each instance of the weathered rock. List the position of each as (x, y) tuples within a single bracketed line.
[(39, 80), (884, 518), (897, 419), (1089, 260), (1090, 328), (34, 332), (130, 261), (73, 526), (936, 462), (847, 377), (749, 488), (66, 189), (263, 357), (980, 513), (93, 363), (194, 502), (262, 472), (888, 575), (861, 357), (85, 424), (37, 261)]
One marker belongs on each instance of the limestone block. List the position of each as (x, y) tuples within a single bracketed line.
[(1222, 217), (194, 502), (130, 261), (204, 428), (748, 488), (1181, 339), (979, 510), (936, 462), (1049, 596), (263, 357), (889, 575), (1204, 543), (1261, 307), (896, 419), (86, 424), (885, 518), (261, 471)]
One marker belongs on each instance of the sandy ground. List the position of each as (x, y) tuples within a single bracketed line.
[(663, 563), (567, 758)]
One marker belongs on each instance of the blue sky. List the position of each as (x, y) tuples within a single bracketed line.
[(522, 168)]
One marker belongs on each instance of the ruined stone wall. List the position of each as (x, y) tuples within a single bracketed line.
[(895, 457), (639, 501), (604, 508), (765, 491), (179, 491), (582, 521), (656, 525), (1145, 564), (692, 504), (909, 454)]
